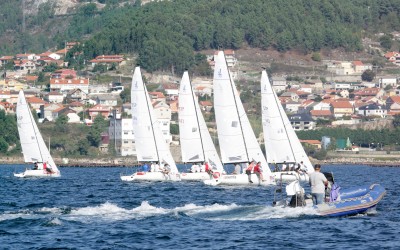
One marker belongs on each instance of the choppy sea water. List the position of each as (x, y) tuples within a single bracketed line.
[(91, 208)]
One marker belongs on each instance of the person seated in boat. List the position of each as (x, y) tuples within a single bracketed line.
[(196, 168), (301, 168), (156, 167), (237, 169), (275, 167), (249, 170), (166, 169), (258, 171), (318, 183), (284, 166), (202, 168), (145, 168), (152, 167), (35, 166)]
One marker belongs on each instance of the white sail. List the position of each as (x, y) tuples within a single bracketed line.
[(33, 146), (196, 142), (149, 141), (236, 137), (281, 141)]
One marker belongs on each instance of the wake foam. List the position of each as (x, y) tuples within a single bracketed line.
[(112, 212)]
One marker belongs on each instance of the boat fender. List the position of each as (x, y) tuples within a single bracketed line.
[(216, 175), (140, 173)]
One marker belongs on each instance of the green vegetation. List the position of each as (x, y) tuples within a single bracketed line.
[(8, 133), (164, 34)]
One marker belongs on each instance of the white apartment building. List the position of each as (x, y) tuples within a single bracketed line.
[(121, 135)]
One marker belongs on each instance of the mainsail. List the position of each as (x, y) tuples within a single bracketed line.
[(281, 141), (149, 140)]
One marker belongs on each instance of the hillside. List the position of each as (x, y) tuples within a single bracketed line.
[(164, 34)]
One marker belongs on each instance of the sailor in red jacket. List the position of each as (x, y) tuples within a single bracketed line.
[(258, 171)]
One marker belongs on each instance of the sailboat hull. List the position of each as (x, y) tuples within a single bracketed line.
[(151, 176), (290, 176), (239, 179), (195, 176), (37, 173)]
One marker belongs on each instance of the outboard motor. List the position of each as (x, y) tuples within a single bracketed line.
[(296, 192)]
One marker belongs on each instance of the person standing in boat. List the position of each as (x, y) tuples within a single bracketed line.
[(145, 168), (284, 166), (249, 170), (35, 166), (258, 171), (208, 168), (318, 182)]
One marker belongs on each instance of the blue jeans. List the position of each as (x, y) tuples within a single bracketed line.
[(317, 198)]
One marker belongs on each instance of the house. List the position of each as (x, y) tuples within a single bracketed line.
[(121, 134), (279, 83), (373, 109), (6, 59), (127, 109), (8, 108), (68, 112), (342, 108), (174, 105), (321, 114), (50, 54), (306, 106), (203, 90), (108, 60), (46, 110), (393, 57), (301, 122), (171, 90), (314, 143), (229, 57), (5, 95), (64, 74), (98, 110), (29, 57), (76, 95), (54, 97), (24, 66), (157, 96), (77, 106), (369, 92), (387, 81), (306, 88), (290, 96), (64, 85), (107, 100), (393, 105), (35, 102), (292, 107), (206, 105), (359, 67), (163, 114)]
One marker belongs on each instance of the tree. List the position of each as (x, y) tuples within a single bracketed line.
[(386, 41), (316, 56), (368, 75), (3, 145), (174, 129), (396, 121), (61, 123)]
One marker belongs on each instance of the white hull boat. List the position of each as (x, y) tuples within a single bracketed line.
[(150, 176), (33, 146), (195, 176), (238, 179), (281, 142), (149, 140), (238, 143)]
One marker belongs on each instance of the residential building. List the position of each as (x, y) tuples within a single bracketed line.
[(98, 110), (65, 85), (35, 102), (342, 108), (107, 100), (360, 67), (76, 95), (24, 66), (163, 114), (46, 110), (292, 107), (121, 134), (301, 122), (54, 97), (279, 83), (314, 143), (393, 57), (387, 81), (321, 114), (372, 109), (206, 105), (7, 107), (393, 105), (108, 60)]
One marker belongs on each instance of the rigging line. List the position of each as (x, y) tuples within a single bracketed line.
[(237, 110), (197, 119), (151, 121)]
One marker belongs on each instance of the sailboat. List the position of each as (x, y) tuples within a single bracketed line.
[(237, 141), (282, 145), (196, 144), (33, 146), (150, 143)]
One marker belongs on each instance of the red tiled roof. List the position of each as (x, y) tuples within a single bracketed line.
[(158, 94), (357, 63), (321, 113), (35, 99), (206, 103), (55, 81), (395, 98), (311, 141), (341, 104)]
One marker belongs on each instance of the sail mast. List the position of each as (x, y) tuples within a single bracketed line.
[(151, 121)]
